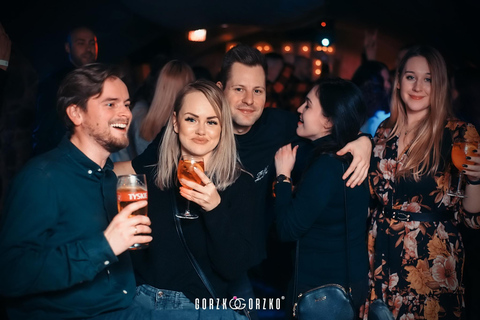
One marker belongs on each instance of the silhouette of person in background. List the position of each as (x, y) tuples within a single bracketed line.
[(18, 87), (82, 48), (373, 79), (149, 119)]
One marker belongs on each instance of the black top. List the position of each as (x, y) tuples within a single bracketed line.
[(256, 149), (315, 215), (55, 261), (222, 240)]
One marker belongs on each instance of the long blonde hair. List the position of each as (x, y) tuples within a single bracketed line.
[(172, 78), (224, 165), (425, 150)]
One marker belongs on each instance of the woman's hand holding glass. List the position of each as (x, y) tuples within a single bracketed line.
[(464, 158), (471, 202), (472, 171), (206, 196)]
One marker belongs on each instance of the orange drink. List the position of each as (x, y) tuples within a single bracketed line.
[(185, 170), (460, 151)]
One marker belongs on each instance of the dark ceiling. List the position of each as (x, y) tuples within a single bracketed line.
[(134, 28)]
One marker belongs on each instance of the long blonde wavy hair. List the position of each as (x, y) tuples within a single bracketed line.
[(224, 165), (425, 150), (172, 78)]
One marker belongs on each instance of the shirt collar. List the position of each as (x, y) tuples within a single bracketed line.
[(80, 158)]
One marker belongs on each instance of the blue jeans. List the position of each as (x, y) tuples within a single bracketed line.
[(179, 306), (139, 313), (152, 298), (242, 288)]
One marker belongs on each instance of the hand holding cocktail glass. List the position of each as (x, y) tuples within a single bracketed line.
[(200, 190), (466, 159)]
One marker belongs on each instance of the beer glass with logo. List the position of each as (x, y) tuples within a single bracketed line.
[(132, 188)]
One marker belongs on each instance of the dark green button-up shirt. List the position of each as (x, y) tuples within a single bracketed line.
[(55, 261)]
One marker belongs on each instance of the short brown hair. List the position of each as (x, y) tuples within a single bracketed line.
[(242, 54), (80, 85)]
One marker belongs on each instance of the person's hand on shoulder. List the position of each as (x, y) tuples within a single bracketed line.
[(361, 150)]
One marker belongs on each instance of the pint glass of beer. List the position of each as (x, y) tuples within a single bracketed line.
[(131, 188)]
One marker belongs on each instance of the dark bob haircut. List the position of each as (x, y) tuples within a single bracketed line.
[(342, 103)]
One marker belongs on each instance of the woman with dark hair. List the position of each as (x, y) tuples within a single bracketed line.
[(415, 249), (314, 211), (373, 79)]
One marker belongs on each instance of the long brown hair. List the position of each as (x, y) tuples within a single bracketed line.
[(172, 78), (425, 150), (223, 167)]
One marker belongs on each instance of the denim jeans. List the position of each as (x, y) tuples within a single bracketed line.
[(140, 313), (152, 298), (242, 287), (160, 300)]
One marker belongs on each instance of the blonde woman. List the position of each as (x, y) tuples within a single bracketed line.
[(415, 249), (148, 121), (223, 238)]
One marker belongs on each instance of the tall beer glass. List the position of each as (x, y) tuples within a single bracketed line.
[(132, 188)]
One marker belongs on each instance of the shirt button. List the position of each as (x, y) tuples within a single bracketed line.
[(99, 169), (125, 291), (106, 263), (160, 293), (89, 171), (108, 271)]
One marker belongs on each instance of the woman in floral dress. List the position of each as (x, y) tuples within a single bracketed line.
[(415, 250)]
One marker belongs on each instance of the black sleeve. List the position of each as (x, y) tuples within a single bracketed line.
[(233, 230), (296, 215), (150, 155)]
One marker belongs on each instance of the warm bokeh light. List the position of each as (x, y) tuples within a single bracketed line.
[(199, 35), (318, 72), (330, 49), (263, 47), (287, 48), (323, 24), (318, 48), (318, 63), (305, 48), (230, 45)]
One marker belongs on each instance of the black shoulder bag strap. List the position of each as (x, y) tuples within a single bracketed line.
[(349, 288), (192, 259)]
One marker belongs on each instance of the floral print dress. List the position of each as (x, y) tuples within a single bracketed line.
[(416, 267)]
